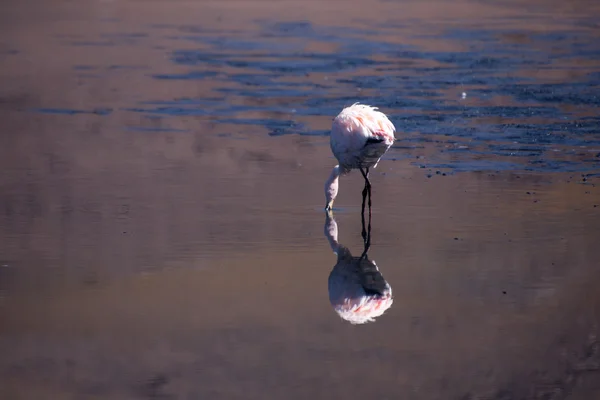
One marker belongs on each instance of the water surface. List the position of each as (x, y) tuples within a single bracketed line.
[(161, 195)]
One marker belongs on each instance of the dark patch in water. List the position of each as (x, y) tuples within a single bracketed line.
[(84, 67), (474, 165), (293, 64), (172, 111), (147, 129), (110, 67), (106, 39), (275, 127), (132, 35), (189, 75), (70, 111), (205, 101), (92, 43), (9, 52)]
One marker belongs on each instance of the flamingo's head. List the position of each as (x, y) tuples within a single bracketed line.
[(331, 187)]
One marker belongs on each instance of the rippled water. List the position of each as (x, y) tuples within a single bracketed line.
[(161, 195), (521, 90)]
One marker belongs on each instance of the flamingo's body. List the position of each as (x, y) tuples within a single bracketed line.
[(360, 135)]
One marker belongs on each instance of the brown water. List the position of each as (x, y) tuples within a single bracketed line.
[(161, 192)]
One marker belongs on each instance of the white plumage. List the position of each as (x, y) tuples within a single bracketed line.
[(360, 135)]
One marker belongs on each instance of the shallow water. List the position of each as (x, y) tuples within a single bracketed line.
[(161, 223)]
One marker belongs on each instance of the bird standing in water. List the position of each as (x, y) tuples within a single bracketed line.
[(360, 135)]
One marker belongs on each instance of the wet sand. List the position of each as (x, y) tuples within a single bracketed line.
[(161, 233)]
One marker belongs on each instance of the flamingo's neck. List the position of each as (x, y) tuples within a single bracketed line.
[(331, 186)]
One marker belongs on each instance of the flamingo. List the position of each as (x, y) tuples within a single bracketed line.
[(360, 135)]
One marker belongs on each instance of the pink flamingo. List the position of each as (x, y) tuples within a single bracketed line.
[(360, 135)]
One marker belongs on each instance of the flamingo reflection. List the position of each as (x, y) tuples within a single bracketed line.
[(357, 290)]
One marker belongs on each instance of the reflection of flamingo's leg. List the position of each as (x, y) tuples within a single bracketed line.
[(362, 214), (366, 234)]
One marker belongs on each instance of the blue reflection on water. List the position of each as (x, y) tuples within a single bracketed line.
[(485, 95)]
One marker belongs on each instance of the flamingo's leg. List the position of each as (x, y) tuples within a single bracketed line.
[(366, 192), (365, 174), (369, 187)]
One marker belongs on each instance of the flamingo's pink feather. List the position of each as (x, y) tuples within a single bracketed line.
[(351, 130)]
